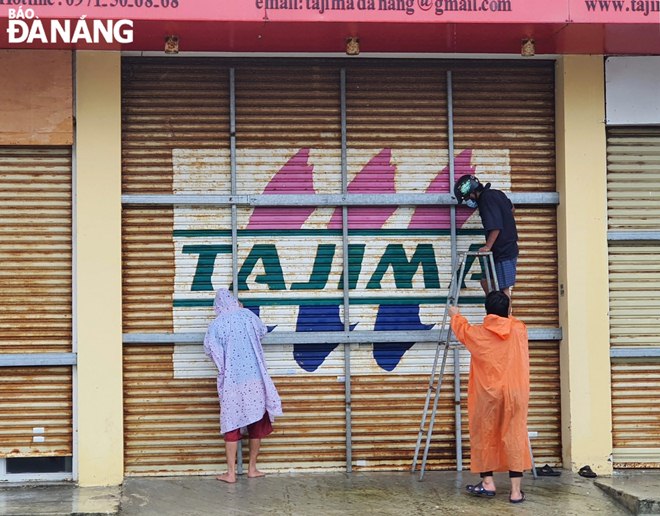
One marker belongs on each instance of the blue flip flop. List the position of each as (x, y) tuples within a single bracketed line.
[(479, 490)]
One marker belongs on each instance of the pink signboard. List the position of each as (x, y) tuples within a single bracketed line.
[(392, 11), (614, 11)]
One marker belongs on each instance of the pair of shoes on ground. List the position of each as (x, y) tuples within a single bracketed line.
[(481, 491)]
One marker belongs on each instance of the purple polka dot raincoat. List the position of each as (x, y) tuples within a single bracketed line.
[(233, 341)]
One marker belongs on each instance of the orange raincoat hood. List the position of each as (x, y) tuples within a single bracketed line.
[(500, 326)]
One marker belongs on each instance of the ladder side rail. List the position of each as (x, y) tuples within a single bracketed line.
[(453, 301), (426, 406), (453, 286)]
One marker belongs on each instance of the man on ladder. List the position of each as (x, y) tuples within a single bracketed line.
[(496, 212)]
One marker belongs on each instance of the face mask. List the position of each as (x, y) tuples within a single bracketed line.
[(471, 203)]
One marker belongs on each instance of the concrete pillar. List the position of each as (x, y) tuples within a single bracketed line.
[(583, 267), (97, 267)]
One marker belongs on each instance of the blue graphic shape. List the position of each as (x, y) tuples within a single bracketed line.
[(255, 311), (316, 318), (395, 317)]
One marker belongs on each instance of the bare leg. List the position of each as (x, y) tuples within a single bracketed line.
[(231, 448), (253, 472), (485, 284), (516, 493), (507, 291), (488, 483)]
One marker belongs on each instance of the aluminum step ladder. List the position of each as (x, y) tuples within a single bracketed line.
[(444, 345)]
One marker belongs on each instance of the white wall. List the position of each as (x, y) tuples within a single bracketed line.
[(632, 90)]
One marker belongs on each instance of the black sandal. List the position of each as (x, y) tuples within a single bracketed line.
[(547, 471), (519, 500), (587, 472), (479, 490)]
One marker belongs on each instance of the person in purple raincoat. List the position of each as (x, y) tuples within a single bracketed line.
[(248, 397)]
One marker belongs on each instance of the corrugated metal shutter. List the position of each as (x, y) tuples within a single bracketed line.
[(288, 141), (166, 105), (36, 405), (192, 134), (509, 108), (35, 299), (504, 133), (633, 175)]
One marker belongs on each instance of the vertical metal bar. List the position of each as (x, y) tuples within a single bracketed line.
[(454, 247), (232, 165), (452, 171), (74, 269), (346, 284), (234, 214)]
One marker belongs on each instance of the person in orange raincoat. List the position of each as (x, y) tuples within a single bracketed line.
[(498, 395)]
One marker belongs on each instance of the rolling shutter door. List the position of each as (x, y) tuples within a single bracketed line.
[(633, 174), (288, 121), (504, 133), (398, 112), (506, 112), (164, 396), (35, 300), (288, 126), (171, 424)]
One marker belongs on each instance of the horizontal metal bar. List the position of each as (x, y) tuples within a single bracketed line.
[(328, 337), (635, 352), (324, 199), (614, 236), (37, 359)]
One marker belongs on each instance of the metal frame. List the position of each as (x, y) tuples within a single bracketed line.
[(635, 352), (37, 359), (74, 275), (454, 243), (322, 337), (344, 200), (32, 477), (232, 164), (627, 236), (348, 401)]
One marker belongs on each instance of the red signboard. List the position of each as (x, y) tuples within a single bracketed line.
[(422, 26), (385, 11)]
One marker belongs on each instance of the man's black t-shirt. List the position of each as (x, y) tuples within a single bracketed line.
[(496, 211)]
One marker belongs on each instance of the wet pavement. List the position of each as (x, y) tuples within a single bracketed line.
[(639, 491), (58, 499), (361, 493), (400, 494)]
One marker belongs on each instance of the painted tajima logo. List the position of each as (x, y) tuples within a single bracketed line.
[(289, 259)]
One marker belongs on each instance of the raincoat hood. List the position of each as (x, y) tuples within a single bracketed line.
[(500, 326), (225, 302)]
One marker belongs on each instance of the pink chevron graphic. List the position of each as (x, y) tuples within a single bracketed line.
[(295, 177), (437, 217), (377, 176)]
